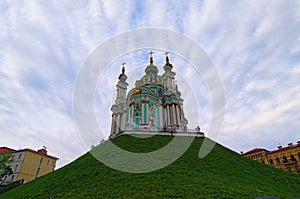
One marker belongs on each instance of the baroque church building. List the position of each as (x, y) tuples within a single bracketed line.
[(154, 104)]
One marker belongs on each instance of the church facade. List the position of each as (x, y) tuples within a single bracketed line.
[(154, 104)]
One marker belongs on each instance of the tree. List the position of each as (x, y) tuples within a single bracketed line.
[(5, 169)]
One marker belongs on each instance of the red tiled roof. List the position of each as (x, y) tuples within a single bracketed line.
[(255, 150), (269, 152), (6, 149), (37, 152), (282, 149)]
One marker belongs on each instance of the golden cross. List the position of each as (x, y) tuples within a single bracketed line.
[(166, 53), (151, 53), (123, 64)]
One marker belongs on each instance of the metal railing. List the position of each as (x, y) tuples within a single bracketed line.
[(163, 131)]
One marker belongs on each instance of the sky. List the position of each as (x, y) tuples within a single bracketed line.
[(255, 46)]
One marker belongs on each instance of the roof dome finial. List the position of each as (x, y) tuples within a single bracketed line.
[(151, 57), (168, 65), (122, 76), (167, 58), (123, 68)]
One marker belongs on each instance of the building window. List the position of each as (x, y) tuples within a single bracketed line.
[(20, 156), (16, 167), (48, 162), (289, 169), (12, 178), (293, 159), (271, 161), (285, 159), (299, 155), (52, 163), (297, 169), (278, 160)]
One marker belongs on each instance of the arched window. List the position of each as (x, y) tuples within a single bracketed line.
[(271, 161), (278, 160), (285, 159), (293, 158)]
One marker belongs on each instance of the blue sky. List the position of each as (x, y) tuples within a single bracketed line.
[(255, 46)]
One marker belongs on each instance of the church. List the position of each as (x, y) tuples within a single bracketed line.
[(153, 105)]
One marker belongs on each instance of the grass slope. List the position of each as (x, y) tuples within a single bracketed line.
[(221, 174)]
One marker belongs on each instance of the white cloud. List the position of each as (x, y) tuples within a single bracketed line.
[(254, 44)]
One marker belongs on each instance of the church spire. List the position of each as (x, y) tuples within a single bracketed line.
[(123, 68), (167, 58), (151, 57), (151, 69), (168, 64), (122, 76)]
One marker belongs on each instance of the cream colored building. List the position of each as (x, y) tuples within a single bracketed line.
[(28, 164), (286, 158)]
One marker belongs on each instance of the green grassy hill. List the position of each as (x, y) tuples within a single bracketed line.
[(221, 174)]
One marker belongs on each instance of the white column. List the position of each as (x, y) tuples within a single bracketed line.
[(161, 115), (128, 117), (182, 116), (122, 121), (125, 119), (117, 123), (146, 112), (174, 114), (165, 116), (168, 116), (143, 122), (131, 116), (178, 117), (157, 115), (112, 124), (171, 115)]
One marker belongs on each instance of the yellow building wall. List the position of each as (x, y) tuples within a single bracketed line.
[(289, 165), (30, 165), (270, 158), (258, 156)]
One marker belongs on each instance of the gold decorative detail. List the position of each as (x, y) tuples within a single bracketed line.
[(137, 91), (151, 107)]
